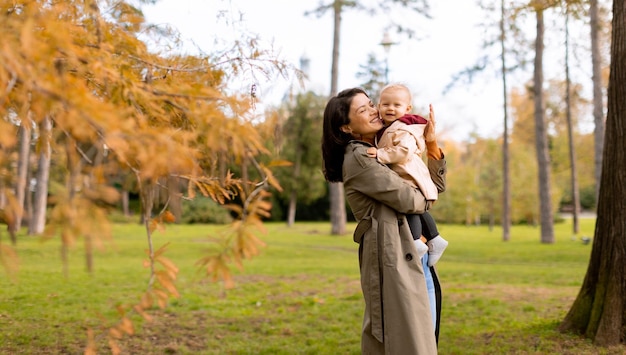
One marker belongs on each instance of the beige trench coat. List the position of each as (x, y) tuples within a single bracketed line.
[(397, 318)]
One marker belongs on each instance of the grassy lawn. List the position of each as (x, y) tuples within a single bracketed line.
[(301, 295)]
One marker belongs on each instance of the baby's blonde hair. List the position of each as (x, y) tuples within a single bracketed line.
[(397, 86)]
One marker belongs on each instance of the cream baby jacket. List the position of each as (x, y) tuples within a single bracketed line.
[(401, 147)]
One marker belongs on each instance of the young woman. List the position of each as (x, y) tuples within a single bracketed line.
[(397, 317)]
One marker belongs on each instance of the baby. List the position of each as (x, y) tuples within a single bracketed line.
[(400, 144)]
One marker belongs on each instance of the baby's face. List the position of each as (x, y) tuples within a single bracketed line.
[(393, 104)]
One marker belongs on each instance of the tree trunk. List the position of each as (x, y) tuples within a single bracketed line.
[(147, 197), (125, 203), (293, 197), (598, 104), (541, 137), (38, 220), (599, 309), (338, 209), (506, 172), (492, 215), (291, 210), (28, 203), (73, 167), (337, 198), (22, 174), (570, 132), (89, 253), (175, 198)]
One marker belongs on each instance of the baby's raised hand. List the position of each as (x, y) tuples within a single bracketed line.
[(429, 131), (371, 152)]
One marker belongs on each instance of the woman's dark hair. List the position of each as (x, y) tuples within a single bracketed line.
[(334, 140)]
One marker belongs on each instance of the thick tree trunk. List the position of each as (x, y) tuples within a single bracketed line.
[(38, 220), (337, 198), (541, 137), (599, 309), (598, 104)]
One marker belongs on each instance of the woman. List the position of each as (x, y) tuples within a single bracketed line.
[(397, 317)]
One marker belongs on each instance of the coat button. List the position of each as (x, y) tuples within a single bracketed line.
[(408, 257)]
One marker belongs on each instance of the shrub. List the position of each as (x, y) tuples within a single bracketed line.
[(204, 210)]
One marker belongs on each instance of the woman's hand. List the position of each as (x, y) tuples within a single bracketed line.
[(429, 130)]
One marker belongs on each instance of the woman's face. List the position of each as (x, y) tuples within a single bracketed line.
[(364, 119)]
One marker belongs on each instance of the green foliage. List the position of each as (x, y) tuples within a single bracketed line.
[(450, 207), (204, 210), (301, 135), (588, 197), (372, 76)]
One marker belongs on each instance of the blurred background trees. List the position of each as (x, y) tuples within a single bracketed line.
[(93, 116)]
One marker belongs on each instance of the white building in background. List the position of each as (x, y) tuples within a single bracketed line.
[(302, 84)]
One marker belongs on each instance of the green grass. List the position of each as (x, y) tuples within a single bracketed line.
[(301, 295)]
